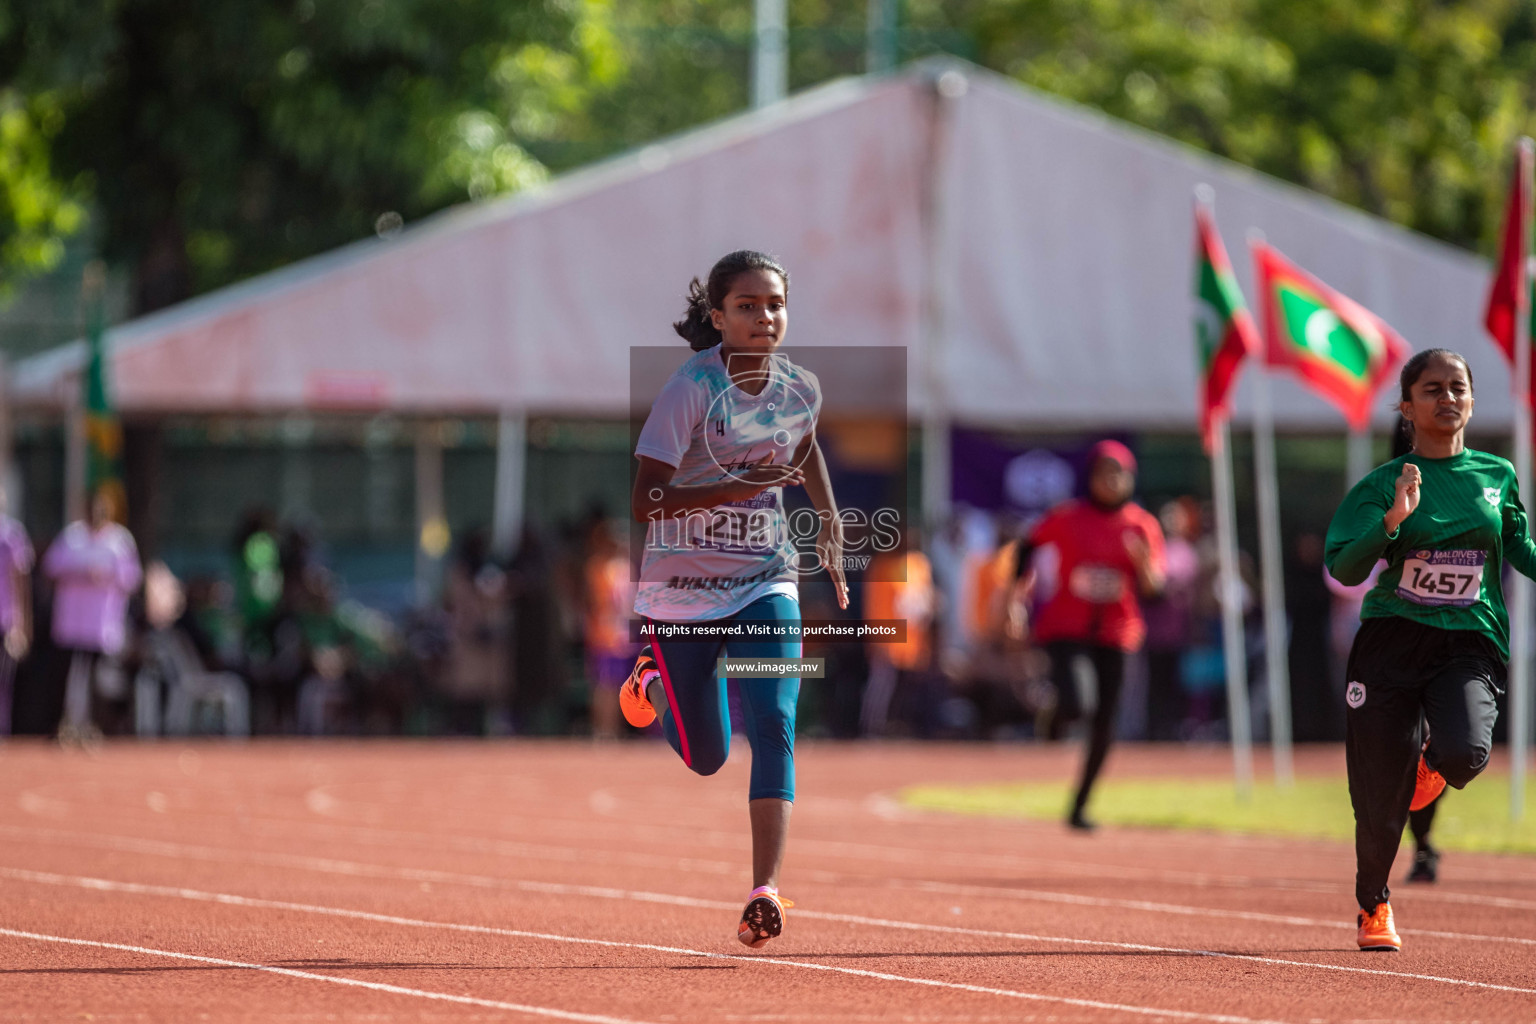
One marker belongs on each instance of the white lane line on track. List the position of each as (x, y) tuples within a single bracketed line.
[(586, 827), (178, 892), (288, 972), (161, 848), (363, 915), (1044, 896), (894, 854)]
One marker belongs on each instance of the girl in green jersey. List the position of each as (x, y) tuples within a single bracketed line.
[(1434, 635)]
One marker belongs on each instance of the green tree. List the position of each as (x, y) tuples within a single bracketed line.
[(217, 140), (1406, 108), (37, 210)]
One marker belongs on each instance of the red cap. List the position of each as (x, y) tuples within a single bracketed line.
[(1115, 451)]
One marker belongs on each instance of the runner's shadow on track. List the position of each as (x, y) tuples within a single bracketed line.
[(705, 967), (289, 964), (958, 954)]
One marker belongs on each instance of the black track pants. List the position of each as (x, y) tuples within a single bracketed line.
[(1108, 665), (1402, 675)]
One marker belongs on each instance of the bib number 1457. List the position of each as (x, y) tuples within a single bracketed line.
[(1452, 578)]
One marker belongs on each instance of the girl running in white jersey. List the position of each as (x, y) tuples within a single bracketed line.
[(733, 427)]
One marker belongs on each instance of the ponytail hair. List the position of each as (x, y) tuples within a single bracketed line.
[(696, 327)]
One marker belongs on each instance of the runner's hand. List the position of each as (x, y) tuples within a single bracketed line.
[(762, 475), (829, 547), (1406, 498), (1137, 550)]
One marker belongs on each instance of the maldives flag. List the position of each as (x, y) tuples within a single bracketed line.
[(1336, 346), (1224, 331), (1509, 297)]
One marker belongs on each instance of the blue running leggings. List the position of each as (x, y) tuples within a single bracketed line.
[(698, 720)]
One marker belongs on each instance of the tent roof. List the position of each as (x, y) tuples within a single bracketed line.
[(1043, 249)]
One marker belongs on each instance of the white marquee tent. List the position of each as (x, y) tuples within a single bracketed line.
[(1034, 258)]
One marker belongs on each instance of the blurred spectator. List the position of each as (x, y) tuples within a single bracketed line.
[(1316, 713), (345, 685), (608, 599), (95, 568), (902, 674), (15, 605), (174, 683), (1171, 620), (474, 679), (538, 644), (989, 665), (258, 580)]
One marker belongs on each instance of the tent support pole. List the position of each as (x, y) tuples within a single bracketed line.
[(511, 481), (74, 458), (948, 88)]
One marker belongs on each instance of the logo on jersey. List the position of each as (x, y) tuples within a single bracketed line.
[(1354, 694), (1491, 496)]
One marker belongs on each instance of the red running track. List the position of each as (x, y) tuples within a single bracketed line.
[(565, 881)]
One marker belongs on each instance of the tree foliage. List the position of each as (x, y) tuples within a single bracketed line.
[(1406, 108), (37, 209), (218, 139)]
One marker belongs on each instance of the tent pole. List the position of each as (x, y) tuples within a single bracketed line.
[(1230, 589), (74, 457), (880, 48), (948, 88), (770, 52), (1277, 670), (511, 477)]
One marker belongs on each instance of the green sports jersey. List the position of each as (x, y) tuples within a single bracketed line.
[(1444, 561)]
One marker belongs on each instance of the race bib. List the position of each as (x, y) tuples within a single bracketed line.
[(1450, 578), (1097, 584), (736, 531)]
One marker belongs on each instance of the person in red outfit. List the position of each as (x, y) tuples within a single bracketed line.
[(1108, 556)]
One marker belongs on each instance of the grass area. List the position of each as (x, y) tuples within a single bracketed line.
[(1476, 818)]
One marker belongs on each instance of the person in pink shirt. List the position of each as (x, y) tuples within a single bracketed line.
[(15, 606), (94, 566)]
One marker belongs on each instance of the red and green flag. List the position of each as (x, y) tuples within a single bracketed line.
[(1338, 348), (1509, 297), (1224, 331), (103, 430)]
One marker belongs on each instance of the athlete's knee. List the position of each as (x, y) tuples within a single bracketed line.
[(1459, 761), (707, 762)]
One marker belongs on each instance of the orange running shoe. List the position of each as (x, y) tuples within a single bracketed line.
[(1377, 934), (637, 707), (1429, 785), (763, 918)]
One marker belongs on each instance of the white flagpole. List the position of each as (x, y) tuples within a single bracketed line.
[(1230, 588), (1277, 668), (1357, 456), (1520, 588), (770, 51)]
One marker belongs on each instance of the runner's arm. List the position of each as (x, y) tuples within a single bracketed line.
[(1519, 551), (818, 487), (656, 496), (1357, 537)]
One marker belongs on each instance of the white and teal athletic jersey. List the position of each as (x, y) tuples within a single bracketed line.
[(715, 561)]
